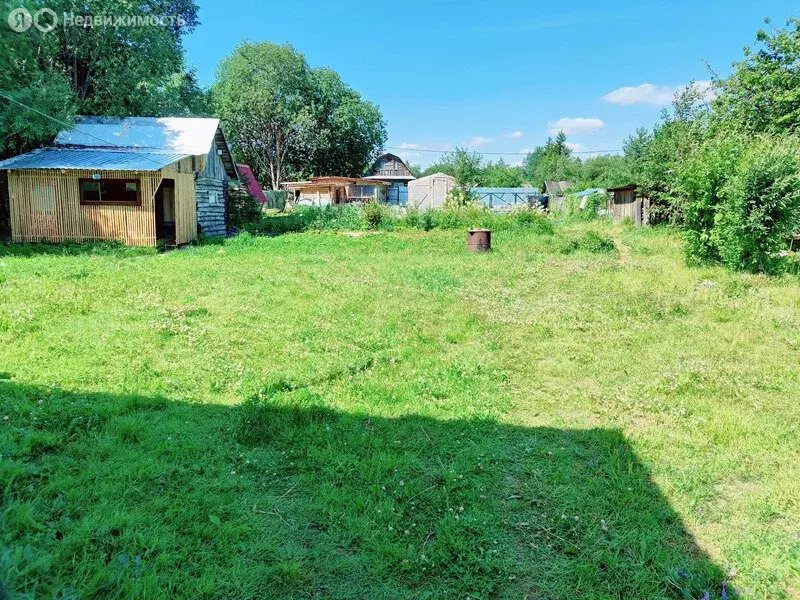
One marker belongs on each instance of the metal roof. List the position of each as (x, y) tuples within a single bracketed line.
[(589, 192), (167, 134), (97, 158)]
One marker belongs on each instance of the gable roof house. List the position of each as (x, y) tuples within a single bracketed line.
[(135, 179), (391, 169)]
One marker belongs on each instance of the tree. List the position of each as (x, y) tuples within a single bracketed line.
[(502, 175), (101, 70), (763, 93), (286, 119), (349, 132), (262, 96), (465, 165), (551, 162)]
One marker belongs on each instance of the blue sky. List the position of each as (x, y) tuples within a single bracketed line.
[(498, 76)]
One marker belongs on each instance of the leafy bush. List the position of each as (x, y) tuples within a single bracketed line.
[(242, 208), (460, 198), (591, 241), (741, 200), (699, 182), (375, 213), (532, 217), (761, 207), (591, 204)]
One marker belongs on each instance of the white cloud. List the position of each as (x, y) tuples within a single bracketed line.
[(408, 155), (527, 150), (513, 134), (517, 163), (407, 146), (477, 141), (575, 125), (575, 147), (658, 95)]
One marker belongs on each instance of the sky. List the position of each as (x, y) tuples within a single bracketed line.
[(499, 77)]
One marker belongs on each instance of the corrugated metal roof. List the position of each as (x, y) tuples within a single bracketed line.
[(246, 174), (170, 134), (86, 158)]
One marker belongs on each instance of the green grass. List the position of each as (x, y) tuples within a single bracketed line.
[(318, 415)]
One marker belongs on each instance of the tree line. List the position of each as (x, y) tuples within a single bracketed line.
[(284, 118)]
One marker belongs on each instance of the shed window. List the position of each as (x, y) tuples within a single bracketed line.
[(110, 191)]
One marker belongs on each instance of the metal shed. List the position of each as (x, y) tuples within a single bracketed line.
[(430, 192)]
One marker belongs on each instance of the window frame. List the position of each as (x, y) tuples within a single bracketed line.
[(101, 202)]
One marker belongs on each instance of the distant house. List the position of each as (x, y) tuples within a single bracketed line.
[(248, 179), (134, 179), (391, 169), (334, 191), (556, 193)]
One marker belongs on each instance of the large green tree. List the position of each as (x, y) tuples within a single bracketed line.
[(763, 93), (349, 132), (115, 69), (262, 95), (286, 119)]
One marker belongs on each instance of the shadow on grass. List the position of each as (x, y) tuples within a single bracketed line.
[(128, 496)]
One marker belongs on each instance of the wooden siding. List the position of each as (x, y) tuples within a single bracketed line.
[(185, 209), (625, 204), (45, 206), (390, 165)]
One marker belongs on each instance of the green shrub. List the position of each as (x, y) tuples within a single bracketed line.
[(591, 203), (242, 208), (532, 217), (591, 241), (460, 198), (761, 206), (375, 213), (699, 182)]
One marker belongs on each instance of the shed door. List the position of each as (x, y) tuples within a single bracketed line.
[(185, 208)]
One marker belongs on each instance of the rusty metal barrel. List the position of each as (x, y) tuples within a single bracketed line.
[(479, 240)]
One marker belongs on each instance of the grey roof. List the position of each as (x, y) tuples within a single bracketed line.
[(128, 144), (92, 158), (167, 134)]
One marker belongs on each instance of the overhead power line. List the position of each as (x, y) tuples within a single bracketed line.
[(499, 153)]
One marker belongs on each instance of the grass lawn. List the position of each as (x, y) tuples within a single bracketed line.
[(384, 415)]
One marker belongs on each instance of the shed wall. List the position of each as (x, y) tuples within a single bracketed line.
[(211, 190), (45, 206)]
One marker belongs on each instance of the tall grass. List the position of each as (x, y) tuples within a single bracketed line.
[(359, 218)]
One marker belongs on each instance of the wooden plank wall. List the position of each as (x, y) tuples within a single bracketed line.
[(623, 205), (45, 206), (185, 208)]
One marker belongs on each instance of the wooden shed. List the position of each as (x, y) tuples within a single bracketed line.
[(136, 179), (430, 191), (624, 202), (556, 192), (323, 191)]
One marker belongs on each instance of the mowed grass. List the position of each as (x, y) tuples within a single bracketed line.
[(387, 416)]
